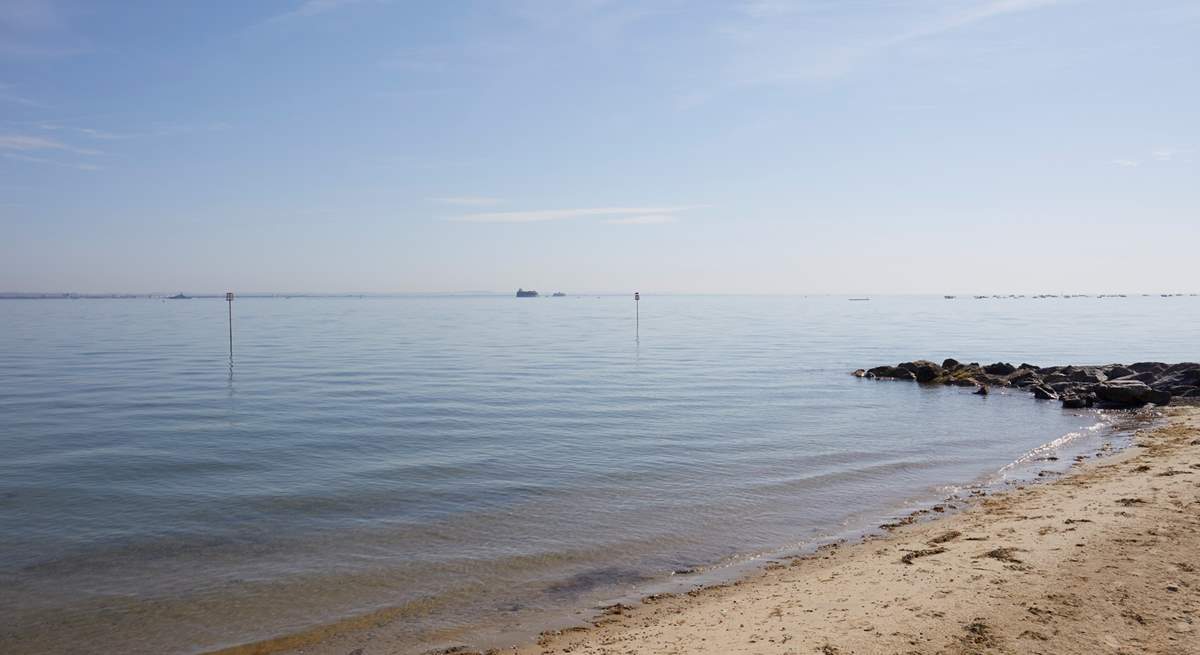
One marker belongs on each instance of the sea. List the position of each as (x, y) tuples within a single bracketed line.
[(429, 471)]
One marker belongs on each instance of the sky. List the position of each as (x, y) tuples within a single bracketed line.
[(592, 146)]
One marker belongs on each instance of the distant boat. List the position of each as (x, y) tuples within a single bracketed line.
[(948, 297), (860, 299), (179, 296), (558, 294), (521, 293)]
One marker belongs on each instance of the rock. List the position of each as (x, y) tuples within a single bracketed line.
[(1063, 387), (1185, 366), (1042, 393), (1023, 377), (1177, 378), (1073, 402), (1118, 371), (1123, 392), (1159, 398), (1146, 376), (890, 372), (999, 368), (950, 363), (1089, 375), (1152, 367), (859, 373), (964, 382), (928, 372), (1054, 377), (981, 391), (1030, 367)]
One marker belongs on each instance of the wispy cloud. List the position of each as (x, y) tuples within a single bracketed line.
[(83, 166), (1126, 163), (24, 142), (646, 219), (788, 41), (9, 96), (542, 215), (468, 201), (316, 7), (1164, 154)]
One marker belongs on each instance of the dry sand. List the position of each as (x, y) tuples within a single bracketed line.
[(1106, 560)]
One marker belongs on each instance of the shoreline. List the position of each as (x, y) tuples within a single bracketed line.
[(1039, 568), (370, 632)]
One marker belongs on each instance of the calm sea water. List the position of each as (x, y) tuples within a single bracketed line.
[(457, 462)]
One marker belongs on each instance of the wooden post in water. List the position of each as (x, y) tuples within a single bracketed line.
[(637, 316), (229, 301)]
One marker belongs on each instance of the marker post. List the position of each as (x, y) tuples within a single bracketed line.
[(229, 301), (637, 316)]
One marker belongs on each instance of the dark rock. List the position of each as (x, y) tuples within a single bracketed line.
[(1152, 367), (1054, 377), (1089, 375), (890, 372), (981, 391), (1159, 398), (1118, 371), (1185, 366), (1176, 378), (1146, 376), (928, 372), (1030, 367), (1042, 393), (1123, 392), (999, 368), (964, 382), (1063, 387), (950, 364), (1023, 377), (1073, 402)]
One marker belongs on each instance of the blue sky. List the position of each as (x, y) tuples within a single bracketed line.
[(803, 146)]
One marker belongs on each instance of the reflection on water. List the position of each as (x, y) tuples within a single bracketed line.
[(440, 461)]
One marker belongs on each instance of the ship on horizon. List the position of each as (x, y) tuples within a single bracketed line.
[(522, 293)]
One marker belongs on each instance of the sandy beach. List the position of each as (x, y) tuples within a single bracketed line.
[(1105, 560)]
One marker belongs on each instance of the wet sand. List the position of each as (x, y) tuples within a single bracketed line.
[(1105, 560)]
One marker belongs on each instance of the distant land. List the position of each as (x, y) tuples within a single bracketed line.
[(61, 295)]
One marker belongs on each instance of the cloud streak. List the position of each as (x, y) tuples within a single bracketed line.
[(544, 215), (788, 41), (646, 219), (468, 201), (310, 8), (27, 143)]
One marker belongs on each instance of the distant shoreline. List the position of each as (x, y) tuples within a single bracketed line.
[(57, 295)]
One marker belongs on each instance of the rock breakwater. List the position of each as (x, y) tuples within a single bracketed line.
[(1111, 386)]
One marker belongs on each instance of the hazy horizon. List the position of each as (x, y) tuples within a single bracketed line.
[(763, 146)]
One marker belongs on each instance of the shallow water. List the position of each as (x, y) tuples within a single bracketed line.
[(454, 459)]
